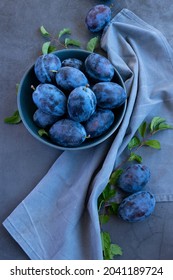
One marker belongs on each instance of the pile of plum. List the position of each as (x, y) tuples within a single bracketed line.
[(75, 99), (138, 204)]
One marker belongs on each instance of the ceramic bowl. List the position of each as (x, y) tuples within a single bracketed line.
[(27, 108)]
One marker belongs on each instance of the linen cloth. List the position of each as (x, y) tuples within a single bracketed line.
[(59, 218)]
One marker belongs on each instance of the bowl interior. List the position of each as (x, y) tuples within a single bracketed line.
[(27, 107)]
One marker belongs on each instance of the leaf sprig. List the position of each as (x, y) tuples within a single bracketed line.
[(58, 41), (144, 136), (107, 207), (62, 40)]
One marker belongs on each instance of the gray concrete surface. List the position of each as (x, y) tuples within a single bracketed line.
[(23, 160)]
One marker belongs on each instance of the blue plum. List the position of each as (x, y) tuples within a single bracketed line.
[(50, 99), (69, 78), (44, 65), (67, 133), (98, 17), (134, 178), (81, 104), (137, 207), (99, 68), (100, 121), (73, 62), (43, 119), (109, 95)]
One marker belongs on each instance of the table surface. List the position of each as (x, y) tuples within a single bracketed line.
[(24, 160)]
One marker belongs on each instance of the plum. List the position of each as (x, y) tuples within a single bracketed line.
[(100, 121), (44, 65), (43, 119), (98, 17), (109, 95), (69, 78), (81, 104), (67, 133), (137, 207), (134, 178), (50, 99), (99, 68), (73, 62)]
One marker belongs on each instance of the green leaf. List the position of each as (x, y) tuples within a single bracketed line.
[(155, 122), (109, 250), (142, 129), (14, 119), (17, 88), (163, 126), (100, 202), (112, 208), (134, 142), (72, 42), (43, 31), (92, 44), (116, 250), (103, 219), (108, 192), (153, 144), (106, 240), (51, 49), (45, 47), (135, 157), (114, 176), (42, 132), (64, 31)]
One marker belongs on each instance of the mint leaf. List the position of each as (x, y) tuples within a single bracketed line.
[(155, 122), (142, 129), (103, 219), (100, 202), (14, 119), (92, 44), (106, 240), (134, 142), (109, 250), (17, 88), (72, 42), (64, 31), (45, 47), (51, 49), (113, 208), (153, 144), (42, 132), (114, 176), (135, 157), (115, 250), (163, 126), (43, 31), (108, 192)]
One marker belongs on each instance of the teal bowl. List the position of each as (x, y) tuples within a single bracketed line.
[(27, 108)]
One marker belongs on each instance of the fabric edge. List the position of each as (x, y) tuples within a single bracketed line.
[(18, 238)]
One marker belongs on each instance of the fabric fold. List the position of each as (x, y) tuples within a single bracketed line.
[(59, 218)]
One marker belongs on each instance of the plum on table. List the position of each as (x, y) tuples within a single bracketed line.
[(98, 17), (137, 207)]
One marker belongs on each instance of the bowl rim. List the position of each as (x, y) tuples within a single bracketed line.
[(84, 145)]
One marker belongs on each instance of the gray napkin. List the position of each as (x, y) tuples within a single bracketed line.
[(59, 219)]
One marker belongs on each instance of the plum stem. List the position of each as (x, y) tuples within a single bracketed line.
[(33, 87)]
